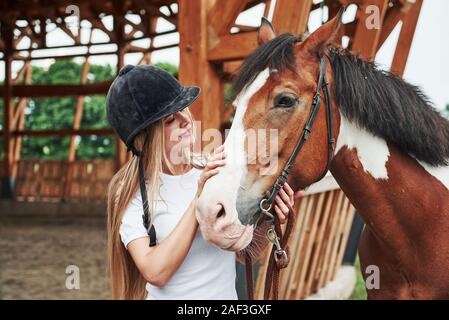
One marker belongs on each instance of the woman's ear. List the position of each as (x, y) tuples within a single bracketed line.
[(266, 32), (317, 42)]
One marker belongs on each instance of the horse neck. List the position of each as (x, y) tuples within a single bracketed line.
[(386, 185)]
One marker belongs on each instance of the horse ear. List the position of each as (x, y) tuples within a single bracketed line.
[(266, 32), (317, 42)]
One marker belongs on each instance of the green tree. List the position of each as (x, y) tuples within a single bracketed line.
[(58, 113)]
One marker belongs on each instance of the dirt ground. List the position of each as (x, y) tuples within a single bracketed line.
[(36, 250), (34, 255)]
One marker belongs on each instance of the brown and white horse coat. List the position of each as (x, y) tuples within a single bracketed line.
[(391, 158)]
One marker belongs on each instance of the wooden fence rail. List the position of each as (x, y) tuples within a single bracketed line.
[(44, 180), (324, 217)]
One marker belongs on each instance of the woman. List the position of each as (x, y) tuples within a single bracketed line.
[(157, 247)]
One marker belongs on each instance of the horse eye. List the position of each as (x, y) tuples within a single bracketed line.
[(285, 101)]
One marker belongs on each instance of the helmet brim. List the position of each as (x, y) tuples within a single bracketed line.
[(187, 96)]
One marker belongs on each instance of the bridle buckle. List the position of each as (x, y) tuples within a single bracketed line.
[(265, 210), (281, 253)]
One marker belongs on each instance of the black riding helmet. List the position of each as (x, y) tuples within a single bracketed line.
[(139, 96)]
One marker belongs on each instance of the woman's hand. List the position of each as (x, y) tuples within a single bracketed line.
[(216, 160), (285, 196)]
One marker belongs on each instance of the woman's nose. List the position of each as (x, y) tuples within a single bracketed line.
[(184, 119)]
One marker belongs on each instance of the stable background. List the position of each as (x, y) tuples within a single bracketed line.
[(57, 61)]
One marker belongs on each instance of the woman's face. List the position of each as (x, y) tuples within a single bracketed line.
[(177, 133)]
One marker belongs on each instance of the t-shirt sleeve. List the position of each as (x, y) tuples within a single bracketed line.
[(132, 223)]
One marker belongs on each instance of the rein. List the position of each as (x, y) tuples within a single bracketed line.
[(279, 253)]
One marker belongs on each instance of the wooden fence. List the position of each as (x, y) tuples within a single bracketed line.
[(317, 243), (47, 180)]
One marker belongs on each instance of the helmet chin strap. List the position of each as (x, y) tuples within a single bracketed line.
[(143, 191)]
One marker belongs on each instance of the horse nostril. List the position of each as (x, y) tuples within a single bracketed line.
[(221, 212)]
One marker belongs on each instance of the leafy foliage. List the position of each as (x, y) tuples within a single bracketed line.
[(58, 113)]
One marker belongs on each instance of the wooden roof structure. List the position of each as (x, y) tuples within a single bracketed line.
[(212, 45)]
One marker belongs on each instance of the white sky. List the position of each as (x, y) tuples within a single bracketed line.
[(427, 65)]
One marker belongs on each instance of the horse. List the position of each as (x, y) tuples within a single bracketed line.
[(390, 157)]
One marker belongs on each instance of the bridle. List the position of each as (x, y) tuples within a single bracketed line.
[(279, 251), (266, 203)]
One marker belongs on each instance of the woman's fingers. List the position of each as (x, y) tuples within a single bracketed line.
[(281, 204), (210, 173), (218, 156), (290, 193), (213, 164), (285, 197), (219, 149), (280, 214), (206, 175), (211, 168)]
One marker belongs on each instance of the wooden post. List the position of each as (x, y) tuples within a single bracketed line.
[(194, 68), (119, 28), (19, 120), (7, 190), (405, 39), (152, 23), (291, 16), (365, 40), (76, 125)]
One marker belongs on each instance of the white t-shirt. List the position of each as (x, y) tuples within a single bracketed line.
[(207, 272)]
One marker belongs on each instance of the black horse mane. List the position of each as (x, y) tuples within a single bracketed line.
[(377, 100)]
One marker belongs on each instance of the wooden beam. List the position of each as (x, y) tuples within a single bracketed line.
[(231, 67), (78, 112), (266, 10), (222, 15), (194, 67), (21, 72), (19, 121), (365, 40), (93, 16), (7, 187), (61, 132), (22, 102), (58, 90), (291, 16), (83, 45), (146, 58), (19, 38), (67, 31), (65, 56), (76, 125), (405, 39), (233, 47), (136, 27), (392, 18), (119, 31)]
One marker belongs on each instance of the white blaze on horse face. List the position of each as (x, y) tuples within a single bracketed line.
[(372, 151), (223, 188)]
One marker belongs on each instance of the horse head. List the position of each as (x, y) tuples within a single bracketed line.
[(275, 89)]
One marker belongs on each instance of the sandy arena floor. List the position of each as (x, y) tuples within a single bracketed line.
[(34, 254)]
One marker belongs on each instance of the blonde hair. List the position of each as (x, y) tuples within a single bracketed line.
[(125, 279)]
